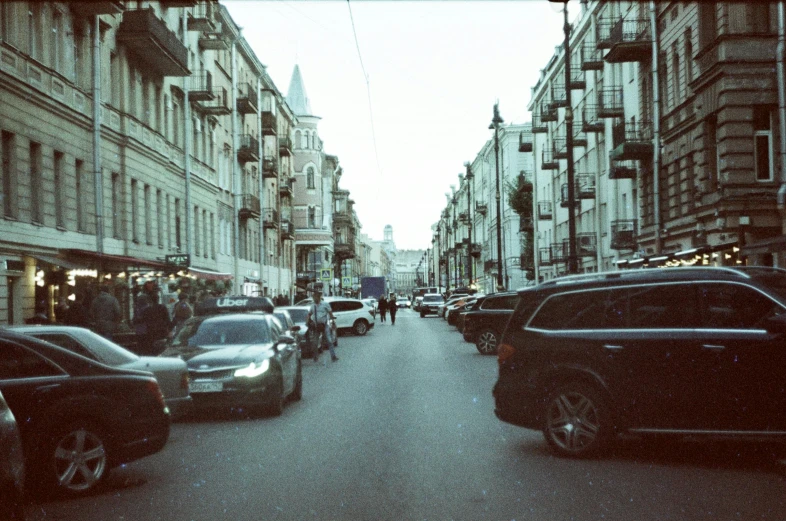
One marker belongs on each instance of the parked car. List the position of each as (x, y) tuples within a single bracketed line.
[(81, 417), (171, 373), (12, 466), (288, 324), (373, 304), (416, 303), (452, 311), (238, 357), (484, 326), (461, 319), (403, 302), (351, 314), (431, 304), (681, 352), (451, 300)]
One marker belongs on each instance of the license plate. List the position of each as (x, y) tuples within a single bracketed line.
[(205, 387)]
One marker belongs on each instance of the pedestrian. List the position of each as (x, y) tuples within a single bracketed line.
[(280, 300), (319, 316), (393, 308), (157, 327), (383, 307), (61, 310), (77, 314), (106, 313), (182, 310)]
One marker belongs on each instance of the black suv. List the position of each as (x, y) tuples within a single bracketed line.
[(693, 352)]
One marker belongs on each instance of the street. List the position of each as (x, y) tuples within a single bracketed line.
[(402, 428)]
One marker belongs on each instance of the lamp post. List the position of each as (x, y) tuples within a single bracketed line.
[(572, 259), (456, 254), (470, 258), (495, 123)]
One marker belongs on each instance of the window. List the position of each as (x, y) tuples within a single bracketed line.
[(212, 236), (160, 217), (757, 17), (762, 144), (178, 238), (708, 24), (56, 49), (734, 306), (712, 151), (663, 306), (675, 71), (134, 210), (36, 213), (34, 30), (59, 189), (148, 216), (116, 216), (688, 55), (312, 217), (196, 231), (79, 173), (204, 234), (18, 362), (9, 187), (310, 182)]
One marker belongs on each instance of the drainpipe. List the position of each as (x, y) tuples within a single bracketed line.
[(187, 149), (235, 172), (261, 162), (781, 56), (656, 127), (98, 177)]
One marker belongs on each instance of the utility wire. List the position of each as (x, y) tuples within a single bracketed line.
[(368, 88)]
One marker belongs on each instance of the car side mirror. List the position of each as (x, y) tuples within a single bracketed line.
[(286, 339), (295, 329)]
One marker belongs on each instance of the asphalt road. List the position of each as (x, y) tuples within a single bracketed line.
[(402, 428)]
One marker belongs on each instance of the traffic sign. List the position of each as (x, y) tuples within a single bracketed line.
[(326, 274), (346, 282)]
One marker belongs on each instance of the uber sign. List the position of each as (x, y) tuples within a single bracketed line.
[(231, 302)]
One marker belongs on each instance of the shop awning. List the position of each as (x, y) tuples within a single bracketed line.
[(111, 262), (209, 275), (56, 261), (772, 245)]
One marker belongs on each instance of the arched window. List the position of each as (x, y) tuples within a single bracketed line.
[(314, 140), (297, 139), (307, 135), (310, 178)]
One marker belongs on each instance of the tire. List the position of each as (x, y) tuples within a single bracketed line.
[(487, 341), (360, 327), (577, 421), (75, 458), (297, 392), (275, 407)]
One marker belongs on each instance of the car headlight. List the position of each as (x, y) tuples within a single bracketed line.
[(254, 369)]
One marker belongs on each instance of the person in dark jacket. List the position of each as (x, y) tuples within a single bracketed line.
[(393, 308), (382, 304), (157, 327), (106, 313), (77, 314)]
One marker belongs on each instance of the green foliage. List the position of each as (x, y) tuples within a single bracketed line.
[(520, 201)]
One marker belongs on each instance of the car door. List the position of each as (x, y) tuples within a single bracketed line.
[(746, 363), (285, 352), (341, 311)]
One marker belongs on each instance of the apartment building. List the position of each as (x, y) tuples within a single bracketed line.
[(181, 174)]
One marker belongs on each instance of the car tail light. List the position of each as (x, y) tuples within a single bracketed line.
[(504, 351), (155, 390)]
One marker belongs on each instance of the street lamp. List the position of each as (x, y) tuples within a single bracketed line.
[(470, 258), (495, 123)]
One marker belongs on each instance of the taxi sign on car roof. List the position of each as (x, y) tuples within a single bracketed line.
[(239, 304)]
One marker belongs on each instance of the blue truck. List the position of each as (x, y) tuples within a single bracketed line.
[(372, 287)]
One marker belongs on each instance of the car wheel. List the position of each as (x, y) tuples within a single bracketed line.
[(360, 327), (487, 342), (75, 458), (275, 407), (577, 421), (297, 393)]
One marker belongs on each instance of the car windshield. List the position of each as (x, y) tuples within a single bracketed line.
[(218, 332), (432, 298)]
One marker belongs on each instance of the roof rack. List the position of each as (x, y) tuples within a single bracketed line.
[(630, 273), (237, 304)]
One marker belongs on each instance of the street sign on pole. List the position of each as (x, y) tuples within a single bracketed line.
[(326, 274), (346, 282)]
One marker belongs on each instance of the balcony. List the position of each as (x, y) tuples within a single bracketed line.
[(481, 208), (548, 161), (603, 36), (560, 147), (564, 200), (247, 101), (463, 217), (200, 87), (475, 250), (284, 146), (249, 149), (545, 212), (249, 206), (269, 123), (591, 58), (586, 244), (213, 40), (590, 122), (270, 219), (216, 105), (344, 248), (548, 113), (623, 235), (151, 41), (269, 167), (458, 246), (287, 188), (526, 223), (90, 9), (559, 251), (631, 41), (201, 17), (585, 186), (610, 103), (577, 79), (632, 141), (287, 230), (559, 96), (489, 265), (579, 139), (622, 169), (342, 218), (524, 146), (544, 256), (538, 126)]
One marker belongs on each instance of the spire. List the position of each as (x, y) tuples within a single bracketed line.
[(297, 99)]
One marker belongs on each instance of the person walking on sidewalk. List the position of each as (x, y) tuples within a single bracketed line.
[(319, 316), (383, 307), (393, 308)]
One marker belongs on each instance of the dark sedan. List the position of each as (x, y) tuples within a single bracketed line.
[(240, 360), (78, 417)]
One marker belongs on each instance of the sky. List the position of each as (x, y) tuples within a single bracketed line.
[(408, 103)]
